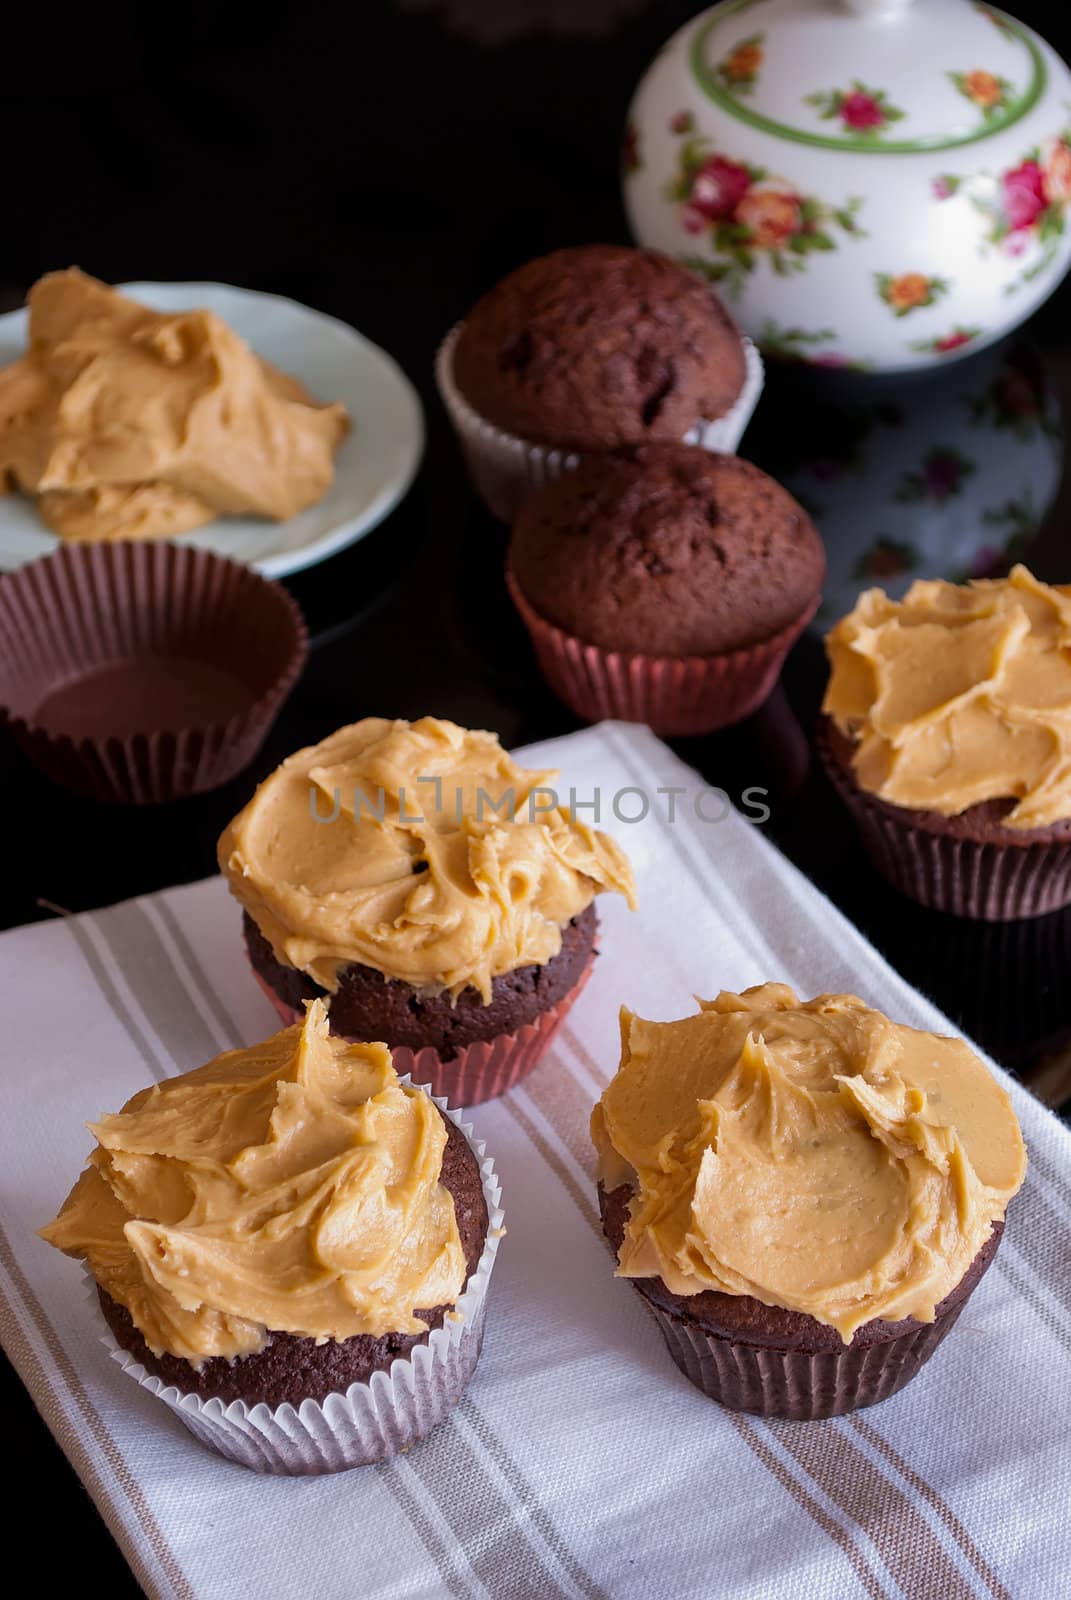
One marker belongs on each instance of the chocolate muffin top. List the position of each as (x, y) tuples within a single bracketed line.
[(667, 550), (599, 346)]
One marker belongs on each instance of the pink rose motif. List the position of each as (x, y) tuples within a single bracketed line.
[(988, 562), (942, 189), (952, 341), (858, 110), (1016, 396), (943, 472), (1024, 195), (717, 189)]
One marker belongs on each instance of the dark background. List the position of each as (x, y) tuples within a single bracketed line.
[(386, 163)]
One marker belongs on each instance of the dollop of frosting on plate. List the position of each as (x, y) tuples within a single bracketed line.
[(128, 423)]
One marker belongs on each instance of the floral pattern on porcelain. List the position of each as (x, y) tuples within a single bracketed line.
[(630, 150), (775, 192), (939, 477), (1031, 197), (983, 89), (738, 72), (887, 558), (802, 345), (909, 291), (1018, 401), (746, 214), (946, 344), (862, 111)]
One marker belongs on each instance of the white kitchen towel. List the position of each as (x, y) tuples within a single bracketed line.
[(580, 1463)]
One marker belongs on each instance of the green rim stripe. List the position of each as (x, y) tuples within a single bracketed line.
[(872, 146)]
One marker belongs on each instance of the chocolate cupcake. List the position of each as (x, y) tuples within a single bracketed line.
[(664, 585), (434, 891), (805, 1194), (947, 734), (586, 350), (250, 1269)]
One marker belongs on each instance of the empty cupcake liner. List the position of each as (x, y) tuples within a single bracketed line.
[(370, 1421), (103, 608), (982, 880), (480, 1071), (674, 695), (505, 470)]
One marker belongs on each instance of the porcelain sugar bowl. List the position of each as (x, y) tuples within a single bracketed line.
[(877, 184)]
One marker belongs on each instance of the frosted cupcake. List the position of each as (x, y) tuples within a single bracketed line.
[(805, 1194), (947, 733), (290, 1247), (432, 889)]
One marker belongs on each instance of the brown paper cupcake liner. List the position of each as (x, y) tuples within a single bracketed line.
[(982, 880), (479, 1071), (368, 1422), (140, 672), (674, 695), (505, 470), (776, 1363), (799, 1385)]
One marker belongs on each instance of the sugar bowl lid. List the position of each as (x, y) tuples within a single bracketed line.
[(887, 76)]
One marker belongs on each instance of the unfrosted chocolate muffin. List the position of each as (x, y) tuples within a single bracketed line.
[(369, 1005), (667, 550), (598, 346), (290, 1368)]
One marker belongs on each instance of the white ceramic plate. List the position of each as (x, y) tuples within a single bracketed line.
[(374, 464)]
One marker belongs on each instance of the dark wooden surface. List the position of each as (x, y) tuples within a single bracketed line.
[(387, 175)]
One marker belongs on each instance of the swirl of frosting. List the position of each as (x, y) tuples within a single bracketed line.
[(959, 694), (815, 1156), (291, 1187), (420, 849)]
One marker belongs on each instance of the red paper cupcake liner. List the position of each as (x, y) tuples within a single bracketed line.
[(674, 695), (981, 880), (139, 609), (479, 1071)]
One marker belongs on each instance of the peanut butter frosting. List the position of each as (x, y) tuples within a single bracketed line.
[(128, 423), (813, 1155), (420, 849), (959, 694), (290, 1187)]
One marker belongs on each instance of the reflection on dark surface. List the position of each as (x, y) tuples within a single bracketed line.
[(947, 474)]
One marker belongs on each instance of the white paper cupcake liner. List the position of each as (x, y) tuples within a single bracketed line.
[(370, 1421), (505, 470)]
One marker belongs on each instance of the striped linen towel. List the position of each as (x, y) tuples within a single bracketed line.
[(580, 1463)]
